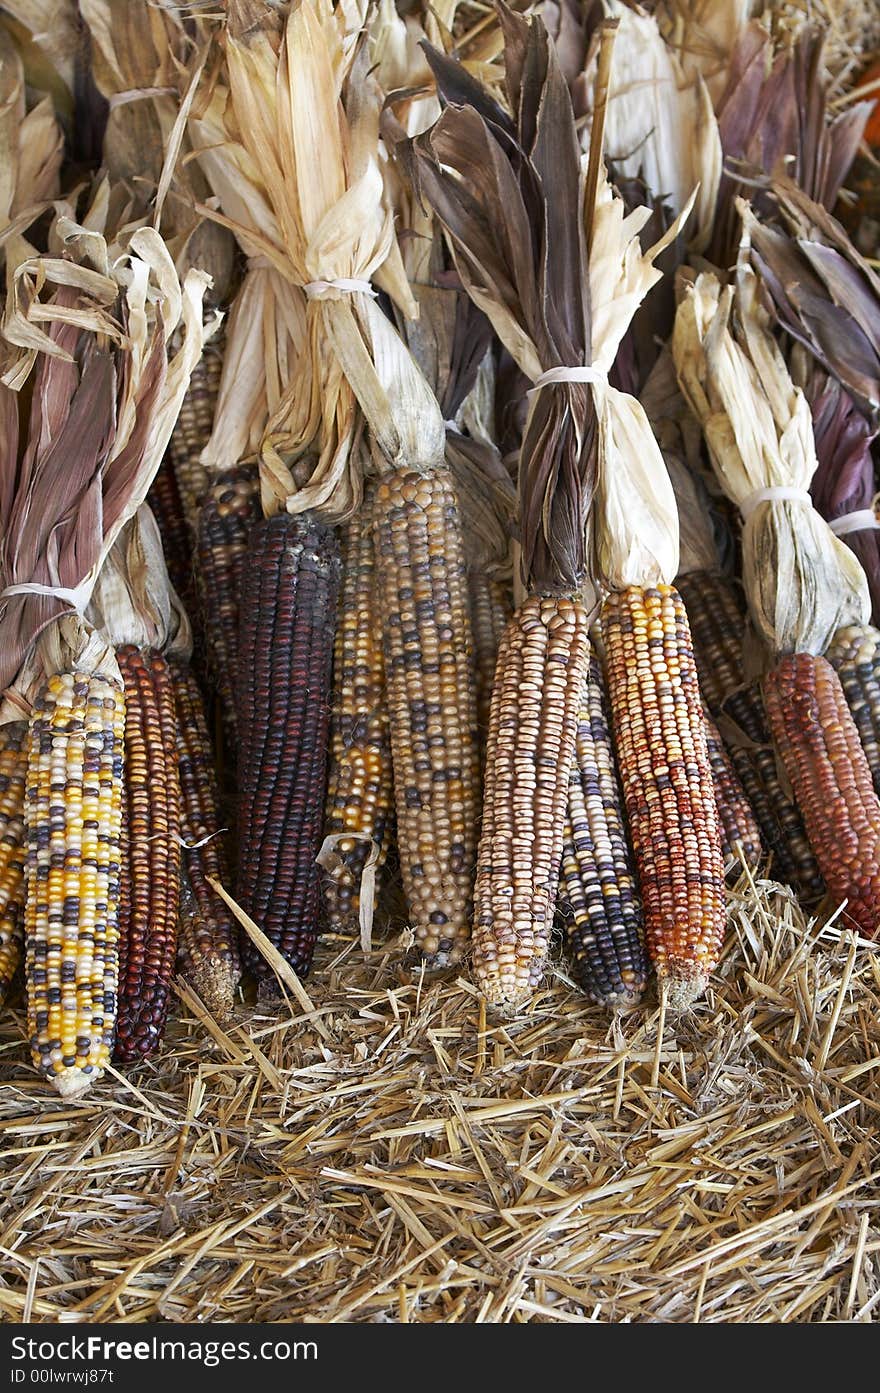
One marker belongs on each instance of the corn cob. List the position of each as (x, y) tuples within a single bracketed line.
[(735, 817), (73, 811), (208, 936), (431, 703), (717, 622), (491, 606), (824, 759), (533, 721), (667, 784), (854, 654), (192, 432), (597, 893), (359, 793), (165, 501), (13, 776), (230, 510), (288, 606), (151, 854)]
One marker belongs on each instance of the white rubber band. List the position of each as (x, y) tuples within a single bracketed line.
[(452, 425), (78, 597), (554, 375), (317, 290), (862, 520), (776, 493)]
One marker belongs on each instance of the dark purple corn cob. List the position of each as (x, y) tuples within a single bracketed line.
[(149, 876), (290, 586)]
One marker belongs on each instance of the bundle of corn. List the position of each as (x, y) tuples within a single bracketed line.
[(92, 351), (802, 584), (328, 236), (523, 221)]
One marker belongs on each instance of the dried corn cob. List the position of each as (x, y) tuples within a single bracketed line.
[(717, 620), (13, 777), (431, 703), (597, 893), (735, 816), (854, 654), (491, 605), (208, 937), (192, 432), (667, 784), (824, 759), (230, 510), (289, 598), (177, 543), (149, 879), (533, 721), (73, 817), (359, 792)]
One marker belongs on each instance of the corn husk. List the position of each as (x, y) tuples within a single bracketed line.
[(90, 338), (31, 150), (774, 120), (659, 123), (801, 583), (702, 34), (329, 221), (522, 230), (48, 37), (825, 294), (144, 61), (133, 600)]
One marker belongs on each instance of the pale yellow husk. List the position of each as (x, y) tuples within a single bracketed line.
[(133, 600), (703, 33), (659, 122), (31, 150), (801, 582)]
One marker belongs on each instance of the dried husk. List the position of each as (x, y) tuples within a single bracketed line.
[(703, 33), (659, 123), (31, 150), (48, 35), (133, 600), (315, 158), (512, 197), (844, 481), (105, 397), (826, 295), (801, 583), (774, 120)]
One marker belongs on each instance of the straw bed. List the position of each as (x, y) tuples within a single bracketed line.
[(390, 1155)]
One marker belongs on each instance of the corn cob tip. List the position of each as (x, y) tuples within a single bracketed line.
[(73, 1083), (683, 984)]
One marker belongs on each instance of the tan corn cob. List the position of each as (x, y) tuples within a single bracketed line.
[(824, 759), (431, 703), (854, 653), (208, 935), (150, 869), (667, 783), (360, 790), (598, 899), (73, 815), (715, 612), (13, 777), (735, 816), (533, 717)]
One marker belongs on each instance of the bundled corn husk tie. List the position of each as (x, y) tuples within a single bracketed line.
[(804, 587), (93, 334)]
